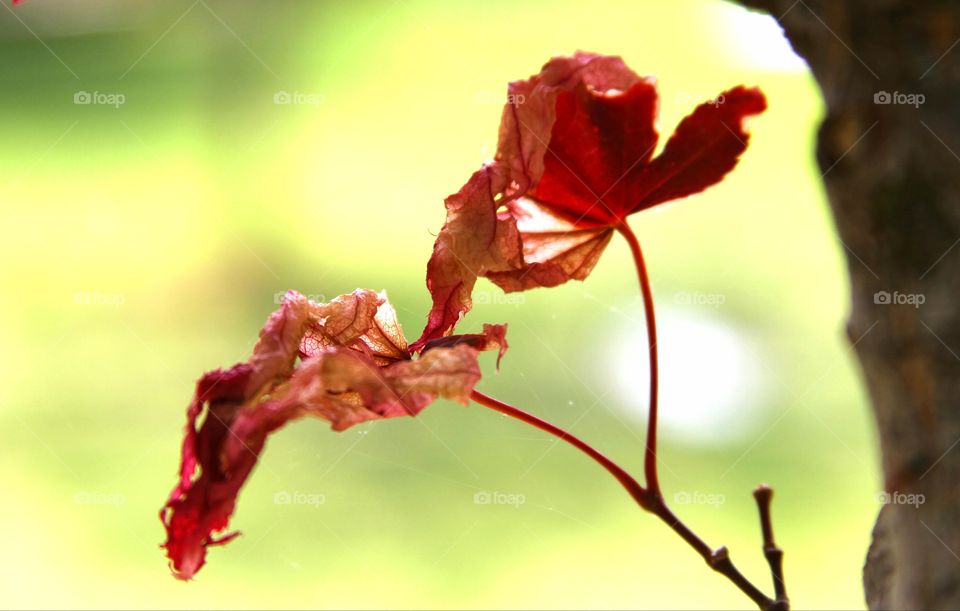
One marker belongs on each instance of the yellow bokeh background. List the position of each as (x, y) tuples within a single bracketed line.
[(144, 242)]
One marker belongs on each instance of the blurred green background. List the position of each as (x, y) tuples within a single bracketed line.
[(145, 235)]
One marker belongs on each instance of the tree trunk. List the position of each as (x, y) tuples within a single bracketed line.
[(892, 174)]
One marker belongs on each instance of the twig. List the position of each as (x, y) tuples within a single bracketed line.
[(717, 559), (764, 495)]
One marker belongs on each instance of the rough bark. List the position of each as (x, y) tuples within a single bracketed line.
[(892, 174)]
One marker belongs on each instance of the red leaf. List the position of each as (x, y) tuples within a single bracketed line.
[(355, 367), (601, 140), (704, 148), (529, 116), (574, 159)]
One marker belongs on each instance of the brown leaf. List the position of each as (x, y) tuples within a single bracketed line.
[(355, 367)]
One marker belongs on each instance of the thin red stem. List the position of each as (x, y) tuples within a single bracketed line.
[(650, 455), (632, 486)]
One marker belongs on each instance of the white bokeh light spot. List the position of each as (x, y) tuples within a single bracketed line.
[(759, 41), (712, 378)]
